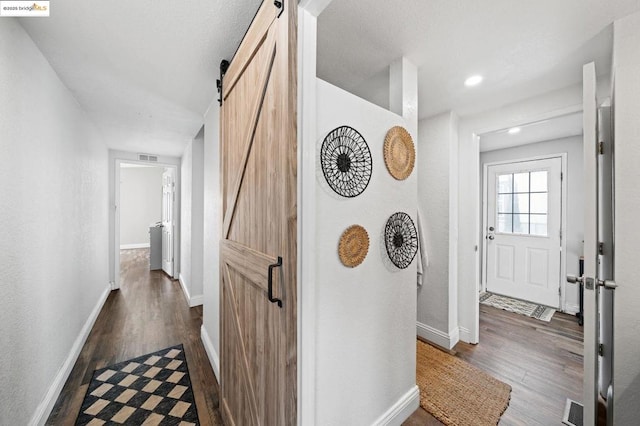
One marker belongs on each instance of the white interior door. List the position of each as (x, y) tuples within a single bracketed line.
[(599, 288), (605, 249), (590, 128), (168, 199), (524, 219)]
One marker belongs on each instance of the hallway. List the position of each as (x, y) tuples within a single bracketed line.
[(147, 314)]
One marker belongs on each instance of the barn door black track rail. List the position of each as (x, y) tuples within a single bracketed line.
[(224, 66), (279, 5)]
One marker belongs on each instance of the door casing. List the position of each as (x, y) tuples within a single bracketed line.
[(115, 284)]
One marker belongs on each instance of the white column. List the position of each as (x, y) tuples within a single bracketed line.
[(403, 92), (313, 7), (307, 117)]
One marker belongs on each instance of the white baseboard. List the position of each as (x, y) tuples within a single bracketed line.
[(196, 300), (454, 337), (571, 309), (181, 280), (401, 410), (214, 359), (440, 338), (191, 300), (465, 335), (133, 246), (46, 405)]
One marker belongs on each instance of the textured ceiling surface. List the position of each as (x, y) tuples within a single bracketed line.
[(563, 126), (144, 70), (521, 48)]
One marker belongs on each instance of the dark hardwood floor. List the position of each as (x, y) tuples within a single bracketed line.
[(147, 314), (541, 361)]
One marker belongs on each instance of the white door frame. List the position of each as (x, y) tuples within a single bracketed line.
[(116, 236), (469, 134), (563, 218)]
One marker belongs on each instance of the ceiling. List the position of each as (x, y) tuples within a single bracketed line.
[(546, 130), (144, 70), (521, 48)]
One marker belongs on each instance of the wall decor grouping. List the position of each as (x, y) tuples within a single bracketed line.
[(401, 239), (346, 161), (353, 246), (399, 153)]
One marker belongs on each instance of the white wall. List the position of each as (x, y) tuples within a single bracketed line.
[(115, 157), (191, 223), (437, 173), (211, 231), (626, 375), (365, 335), (574, 233), (548, 105), (54, 267), (140, 203), (186, 171), (375, 89)]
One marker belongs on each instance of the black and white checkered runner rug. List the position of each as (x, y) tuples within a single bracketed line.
[(153, 389)]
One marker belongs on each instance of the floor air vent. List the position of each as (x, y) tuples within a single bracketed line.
[(148, 157), (572, 413)]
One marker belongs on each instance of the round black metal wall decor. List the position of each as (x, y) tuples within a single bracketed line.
[(346, 161), (401, 239)]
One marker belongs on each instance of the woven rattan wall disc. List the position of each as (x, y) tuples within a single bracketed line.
[(399, 153), (353, 246)]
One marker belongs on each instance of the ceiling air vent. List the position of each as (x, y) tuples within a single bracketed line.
[(148, 157)]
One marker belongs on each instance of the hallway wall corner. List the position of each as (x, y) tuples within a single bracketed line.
[(214, 358)]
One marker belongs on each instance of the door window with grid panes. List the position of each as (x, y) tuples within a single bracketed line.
[(522, 203)]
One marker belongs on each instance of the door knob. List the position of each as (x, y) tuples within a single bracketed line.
[(490, 234), (575, 280), (608, 284)]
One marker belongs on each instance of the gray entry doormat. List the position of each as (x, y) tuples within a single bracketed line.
[(529, 309), (153, 389)]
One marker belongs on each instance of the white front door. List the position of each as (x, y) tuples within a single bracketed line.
[(168, 198), (524, 202)]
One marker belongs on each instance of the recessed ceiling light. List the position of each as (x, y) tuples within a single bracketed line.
[(474, 80), (514, 130)]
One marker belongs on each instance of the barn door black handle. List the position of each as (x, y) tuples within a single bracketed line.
[(270, 282)]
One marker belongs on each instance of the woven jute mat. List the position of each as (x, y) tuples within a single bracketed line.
[(457, 393)]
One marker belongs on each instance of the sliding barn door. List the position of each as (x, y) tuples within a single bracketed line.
[(258, 246)]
